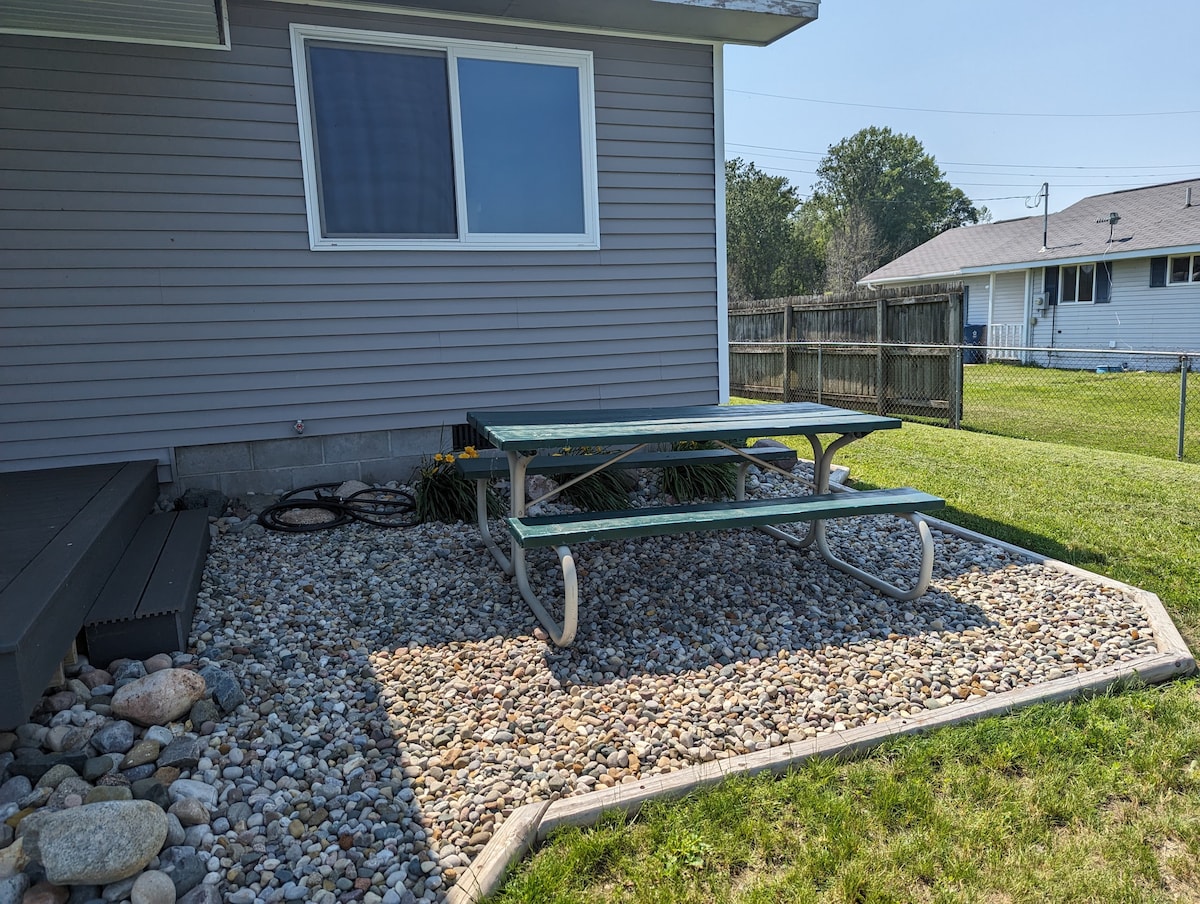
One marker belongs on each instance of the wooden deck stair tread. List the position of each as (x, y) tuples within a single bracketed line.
[(578, 527), (77, 522), (146, 607)]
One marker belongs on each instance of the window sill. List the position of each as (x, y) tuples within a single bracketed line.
[(571, 244)]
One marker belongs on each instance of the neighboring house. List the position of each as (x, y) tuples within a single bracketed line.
[(1120, 270), (226, 225)]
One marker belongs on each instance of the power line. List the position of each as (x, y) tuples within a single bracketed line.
[(1194, 167), (835, 103)]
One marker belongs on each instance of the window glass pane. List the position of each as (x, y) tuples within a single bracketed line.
[(1179, 269), (1087, 277), (381, 118), (1069, 275), (1196, 268), (522, 151)]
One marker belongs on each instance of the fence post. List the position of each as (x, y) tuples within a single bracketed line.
[(820, 371), (1184, 363), (787, 351), (880, 318)]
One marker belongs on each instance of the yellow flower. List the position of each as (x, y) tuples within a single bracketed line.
[(439, 457), (469, 452)]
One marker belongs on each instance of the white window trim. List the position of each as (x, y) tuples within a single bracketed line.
[(1062, 282), (453, 47), (1191, 259)]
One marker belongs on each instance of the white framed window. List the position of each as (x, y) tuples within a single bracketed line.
[(428, 143), (1184, 268), (1078, 284)]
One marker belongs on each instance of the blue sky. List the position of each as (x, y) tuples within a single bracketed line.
[(1040, 92)]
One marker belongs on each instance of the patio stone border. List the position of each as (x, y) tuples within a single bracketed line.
[(531, 824)]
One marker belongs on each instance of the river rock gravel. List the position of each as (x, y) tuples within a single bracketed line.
[(377, 701), (401, 698)]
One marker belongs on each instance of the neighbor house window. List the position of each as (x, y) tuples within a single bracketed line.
[(1185, 268), (1089, 283), (1078, 283), (412, 142)]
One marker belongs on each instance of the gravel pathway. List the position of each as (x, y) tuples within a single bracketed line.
[(401, 698)]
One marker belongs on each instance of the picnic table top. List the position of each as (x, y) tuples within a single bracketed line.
[(547, 428)]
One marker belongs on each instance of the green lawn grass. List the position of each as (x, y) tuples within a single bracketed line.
[(1092, 801), (1124, 412)]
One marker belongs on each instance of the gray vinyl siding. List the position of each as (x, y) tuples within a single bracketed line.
[(1165, 318), (158, 289)]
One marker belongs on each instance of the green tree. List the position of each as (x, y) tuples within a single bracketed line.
[(891, 180), (770, 249)]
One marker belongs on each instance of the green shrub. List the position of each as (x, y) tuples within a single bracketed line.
[(715, 480), (603, 492)]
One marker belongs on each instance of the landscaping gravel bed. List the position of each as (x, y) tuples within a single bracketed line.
[(367, 705), (402, 698)]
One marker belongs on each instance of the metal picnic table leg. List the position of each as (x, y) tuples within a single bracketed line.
[(563, 634), (822, 465), (818, 532), (481, 512), (923, 579)]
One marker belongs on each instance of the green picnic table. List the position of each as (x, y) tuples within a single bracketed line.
[(523, 435)]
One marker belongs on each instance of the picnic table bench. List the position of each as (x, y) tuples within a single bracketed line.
[(522, 434)]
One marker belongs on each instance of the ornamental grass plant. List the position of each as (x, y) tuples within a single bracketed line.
[(712, 480), (443, 494)]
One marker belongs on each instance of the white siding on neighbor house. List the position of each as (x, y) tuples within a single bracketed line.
[(1008, 301), (1164, 318), (158, 289), (977, 298)]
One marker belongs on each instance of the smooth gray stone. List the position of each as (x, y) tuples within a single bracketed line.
[(14, 789), (115, 737), (100, 843), (13, 889)]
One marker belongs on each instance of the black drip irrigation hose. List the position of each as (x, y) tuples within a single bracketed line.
[(379, 506)]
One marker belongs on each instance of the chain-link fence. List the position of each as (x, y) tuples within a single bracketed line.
[(1114, 399)]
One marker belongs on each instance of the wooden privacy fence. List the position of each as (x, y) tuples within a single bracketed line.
[(890, 351)]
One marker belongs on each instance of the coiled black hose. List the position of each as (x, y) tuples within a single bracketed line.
[(380, 506)]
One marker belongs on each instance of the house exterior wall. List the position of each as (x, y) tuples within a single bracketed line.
[(159, 295), (1008, 303), (1139, 317), (977, 297)]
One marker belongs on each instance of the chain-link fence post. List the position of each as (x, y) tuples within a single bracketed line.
[(820, 370), (1184, 364)]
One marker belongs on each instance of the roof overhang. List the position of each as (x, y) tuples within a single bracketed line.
[(186, 23), (202, 23), (754, 22)]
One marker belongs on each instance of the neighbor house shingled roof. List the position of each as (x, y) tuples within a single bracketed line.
[(1152, 219)]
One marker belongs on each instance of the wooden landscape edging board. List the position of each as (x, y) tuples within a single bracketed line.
[(531, 824)]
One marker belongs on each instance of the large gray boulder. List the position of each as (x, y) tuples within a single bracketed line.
[(100, 843)]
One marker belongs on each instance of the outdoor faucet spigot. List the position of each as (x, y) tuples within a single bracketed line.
[(298, 426)]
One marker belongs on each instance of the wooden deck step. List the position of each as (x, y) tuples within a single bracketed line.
[(147, 605), (63, 531)]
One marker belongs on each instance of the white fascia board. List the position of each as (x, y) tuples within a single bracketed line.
[(920, 277), (1084, 259), (539, 24)]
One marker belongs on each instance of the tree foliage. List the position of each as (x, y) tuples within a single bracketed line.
[(758, 211), (878, 195), (891, 181)]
